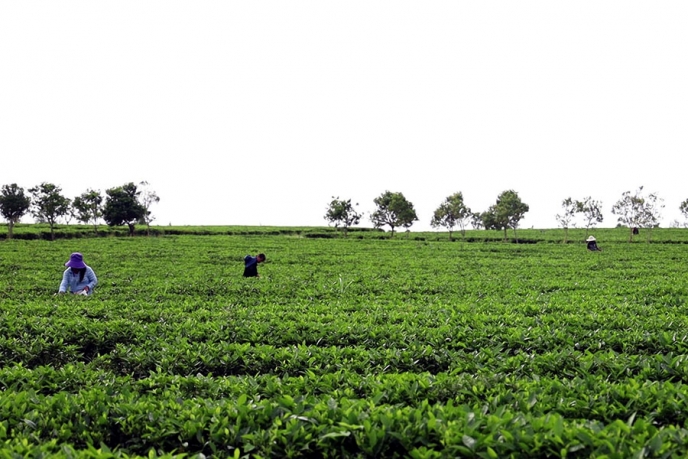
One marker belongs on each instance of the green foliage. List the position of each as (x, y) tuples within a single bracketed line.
[(345, 348), (526, 236), (13, 205), (342, 213), (452, 212), (477, 220), (490, 220), (122, 206), (88, 207), (48, 204), (505, 213), (394, 210), (684, 210)]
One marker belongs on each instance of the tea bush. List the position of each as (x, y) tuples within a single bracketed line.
[(344, 348)]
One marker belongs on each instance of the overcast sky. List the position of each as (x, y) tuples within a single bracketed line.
[(258, 112)]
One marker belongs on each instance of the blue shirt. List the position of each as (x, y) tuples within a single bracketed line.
[(71, 281), (250, 266)]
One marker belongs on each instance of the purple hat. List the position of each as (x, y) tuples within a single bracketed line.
[(76, 260)]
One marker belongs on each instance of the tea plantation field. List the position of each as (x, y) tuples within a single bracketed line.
[(344, 348)]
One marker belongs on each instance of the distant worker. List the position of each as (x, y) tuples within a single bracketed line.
[(251, 264), (635, 230), (78, 278), (592, 244)]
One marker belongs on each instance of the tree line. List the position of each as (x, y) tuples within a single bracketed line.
[(128, 204), (394, 210), (633, 210)]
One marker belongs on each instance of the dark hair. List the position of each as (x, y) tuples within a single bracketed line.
[(261, 256), (82, 272)]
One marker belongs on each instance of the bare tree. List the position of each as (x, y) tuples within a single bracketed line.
[(592, 212), (148, 197), (652, 213), (566, 217), (638, 211)]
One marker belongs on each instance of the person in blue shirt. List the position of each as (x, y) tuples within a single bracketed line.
[(78, 278), (251, 265)]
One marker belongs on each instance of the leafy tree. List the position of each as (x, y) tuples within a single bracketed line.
[(341, 213), (122, 206), (592, 212), (452, 212), (394, 210), (684, 210), (491, 220), (13, 205), (476, 220), (88, 208), (48, 204), (630, 210), (148, 198), (566, 218), (638, 211), (652, 213), (505, 213)]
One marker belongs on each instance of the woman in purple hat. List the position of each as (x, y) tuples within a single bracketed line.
[(78, 278)]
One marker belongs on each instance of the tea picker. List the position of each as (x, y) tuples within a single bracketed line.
[(78, 278), (592, 244), (251, 265)]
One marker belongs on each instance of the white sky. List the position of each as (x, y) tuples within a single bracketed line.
[(259, 112)]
